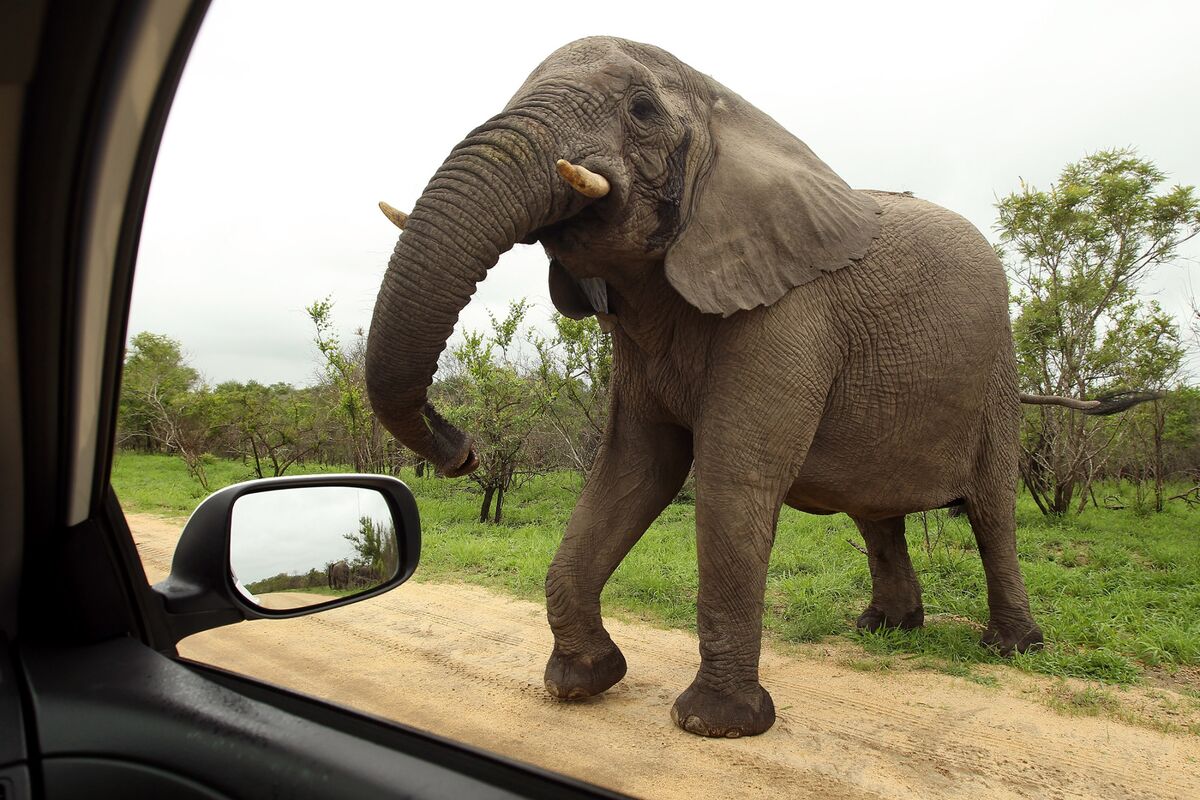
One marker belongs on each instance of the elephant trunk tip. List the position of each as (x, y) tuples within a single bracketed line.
[(434, 438), (469, 465)]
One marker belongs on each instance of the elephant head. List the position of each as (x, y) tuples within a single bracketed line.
[(622, 161)]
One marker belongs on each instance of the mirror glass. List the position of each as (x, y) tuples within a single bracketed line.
[(301, 546)]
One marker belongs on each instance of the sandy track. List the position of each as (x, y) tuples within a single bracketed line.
[(466, 663)]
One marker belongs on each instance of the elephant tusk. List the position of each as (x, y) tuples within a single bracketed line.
[(596, 291), (398, 217), (583, 180)]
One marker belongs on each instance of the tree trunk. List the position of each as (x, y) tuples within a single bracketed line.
[(257, 462), (499, 504), (1160, 420), (1028, 475), (486, 508)]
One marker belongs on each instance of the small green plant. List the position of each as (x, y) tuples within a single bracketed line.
[(1090, 701)]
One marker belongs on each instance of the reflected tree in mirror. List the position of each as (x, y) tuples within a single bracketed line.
[(378, 552), (303, 546)]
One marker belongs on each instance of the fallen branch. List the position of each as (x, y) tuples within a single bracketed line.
[(858, 547), (1111, 505), (1191, 497)]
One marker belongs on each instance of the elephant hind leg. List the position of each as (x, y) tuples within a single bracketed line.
[(991, 509), (895, 590)]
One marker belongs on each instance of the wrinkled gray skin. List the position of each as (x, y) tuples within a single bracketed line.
[(798, 341), (338, 574)]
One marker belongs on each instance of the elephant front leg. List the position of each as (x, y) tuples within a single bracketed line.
[(638, 471), (735, 528), (895, 590)]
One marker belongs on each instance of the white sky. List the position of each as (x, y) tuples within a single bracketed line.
[(294, 118)]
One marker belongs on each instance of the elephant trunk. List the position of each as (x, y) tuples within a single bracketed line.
[(496, 187)]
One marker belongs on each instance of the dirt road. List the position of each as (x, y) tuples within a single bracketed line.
[(467, 663)]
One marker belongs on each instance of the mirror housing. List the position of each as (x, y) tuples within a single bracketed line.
[(200, 594)]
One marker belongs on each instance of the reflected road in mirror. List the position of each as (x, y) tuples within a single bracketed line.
[(305, 545)]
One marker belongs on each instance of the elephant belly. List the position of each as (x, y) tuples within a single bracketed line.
[(899, 460), (873, 499), (904, 420)]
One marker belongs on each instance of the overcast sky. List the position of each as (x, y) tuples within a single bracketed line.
[(297, 529), (294, 118)]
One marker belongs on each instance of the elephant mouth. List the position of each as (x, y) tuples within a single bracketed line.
[(596, 292)]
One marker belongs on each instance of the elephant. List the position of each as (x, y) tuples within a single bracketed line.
[(364, 576), (338, 574), (791, 339)]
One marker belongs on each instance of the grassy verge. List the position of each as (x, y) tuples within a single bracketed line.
[(158, 484), (1117, 593), (321, 590)]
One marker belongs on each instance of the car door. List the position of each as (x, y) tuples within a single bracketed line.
[(93, 698)]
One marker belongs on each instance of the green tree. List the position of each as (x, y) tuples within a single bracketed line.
[(1165, 447), (376, 545), (574, 370), (164, 405), (1077, 253), (154, 367), (269, 427), (370, 447), (493, 395), (1154, 359)]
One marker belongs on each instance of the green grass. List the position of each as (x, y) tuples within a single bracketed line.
[(158, 484), (1090, 701), (321, 590), (1116, 592)]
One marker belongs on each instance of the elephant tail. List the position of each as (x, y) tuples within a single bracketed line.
[(1104, 405)]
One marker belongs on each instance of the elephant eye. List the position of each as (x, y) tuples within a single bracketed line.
[(643, 108)]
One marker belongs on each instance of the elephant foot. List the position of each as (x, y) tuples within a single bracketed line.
[(875, 618), (729, 716), (1021, 637), (570, 677)]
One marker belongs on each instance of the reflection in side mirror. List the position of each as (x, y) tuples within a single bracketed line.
[(302, 546)]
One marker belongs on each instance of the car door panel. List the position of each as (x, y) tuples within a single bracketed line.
[(118, 711)]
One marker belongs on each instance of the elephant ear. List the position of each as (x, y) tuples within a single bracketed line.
[(768, 216)]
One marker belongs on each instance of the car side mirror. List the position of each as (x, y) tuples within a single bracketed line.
[(285, 547)]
